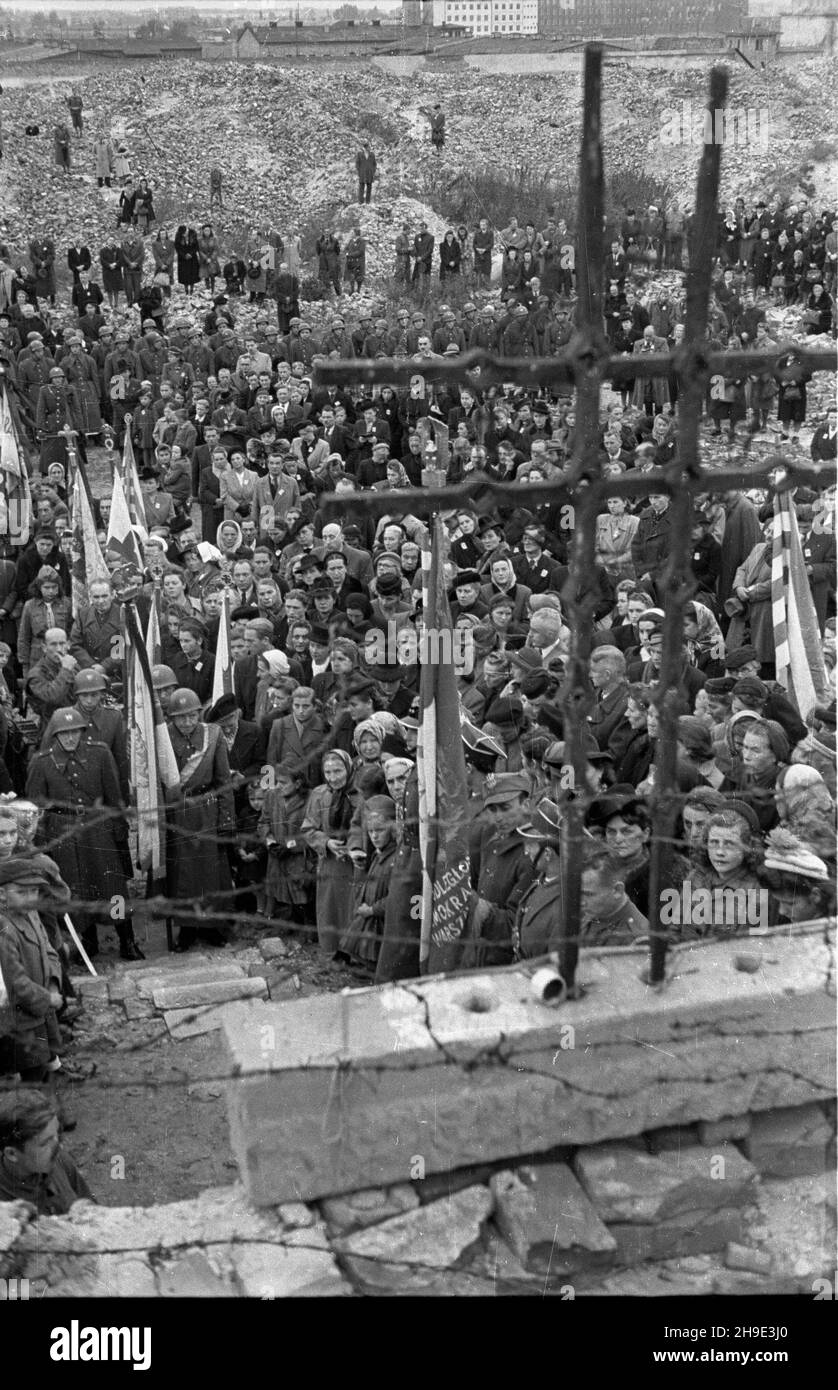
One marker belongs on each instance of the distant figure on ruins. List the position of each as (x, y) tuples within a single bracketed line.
[(437, 120), (61, 138), (365, 165), (216, 195), (75, 104)]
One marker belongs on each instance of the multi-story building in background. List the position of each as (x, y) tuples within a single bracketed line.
[(478, 17), (583, 18)]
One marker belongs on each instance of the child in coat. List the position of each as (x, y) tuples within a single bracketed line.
[(29, 1033), (289, 878)]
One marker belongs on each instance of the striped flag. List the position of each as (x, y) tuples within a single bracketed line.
[(797, 640), (131, 484), (222, 679), (122, 537), (88, 560), (15, 496), (153, 763), (443, 793)]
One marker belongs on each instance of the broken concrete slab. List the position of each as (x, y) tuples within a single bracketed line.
[(191, 1275), (417, 1246), (548, 1222), (136, 1009), (745, 1257), (411, 1069), (625, 1185), (91, 987), (356, 1210), (712, 1132), (209, 992)]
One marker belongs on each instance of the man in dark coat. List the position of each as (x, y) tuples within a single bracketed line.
[(85, 827), (607, 668), (96, 634), (365, 167), (300, 736), (650, 547), (742, 532), (423, 250), (104, 725), (287, 294)]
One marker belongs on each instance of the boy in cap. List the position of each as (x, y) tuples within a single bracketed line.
[(500, 870)]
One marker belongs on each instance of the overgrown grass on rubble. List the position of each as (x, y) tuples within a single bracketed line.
[(380, 130), (310, 228), (627, 189)]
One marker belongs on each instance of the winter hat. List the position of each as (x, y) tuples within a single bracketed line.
[(786, 854)]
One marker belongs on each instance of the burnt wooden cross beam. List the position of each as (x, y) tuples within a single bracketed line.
[(586, 364)]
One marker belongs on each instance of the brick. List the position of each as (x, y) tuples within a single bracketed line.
[(412, 1060), (418, 1246), (272, 947), (791, 1142), (548, 1221), (276, 1271), (627, 1186), (690, 1233), (191, 1276), (360, 1209), (209, 992), (712, 1132), (163, 979), (743, 1257)]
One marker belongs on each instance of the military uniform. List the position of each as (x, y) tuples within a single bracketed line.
[(84, 829), (538, 922), (105, 726), (504, 874), (620, 928)]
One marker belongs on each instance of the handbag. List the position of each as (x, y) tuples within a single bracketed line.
[(161, 278)]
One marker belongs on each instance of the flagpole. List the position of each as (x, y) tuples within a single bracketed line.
[(433, 477)]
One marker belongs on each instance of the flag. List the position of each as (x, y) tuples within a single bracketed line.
[(444, 820), (222, 679), (797, 640), (122, 538), (131, 484), (152, 758), (153, 635), (88, 560), (15, 496)]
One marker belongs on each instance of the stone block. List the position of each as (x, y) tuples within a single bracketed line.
[(277, 1271), (548, 1221), (627, 1186), (90, 987), (712, 1132), (200, 974), (121, 989), (743, 1257), (412, 1069), (191, 1275), (191, 996), (375, 1204), (136, 1009), (296, 1215), (273, 948), (418, 1247), (790, 1143), (690, 1233)]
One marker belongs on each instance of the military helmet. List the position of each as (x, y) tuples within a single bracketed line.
[(66, 719), (85, 682), (163, 678), (184, 702)]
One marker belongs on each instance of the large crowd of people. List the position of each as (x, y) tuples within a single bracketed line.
[(297, 809)]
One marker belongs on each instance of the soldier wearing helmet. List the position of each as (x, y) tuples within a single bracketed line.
[(103, 725), (84, 826), (201, 819), (164, 681)]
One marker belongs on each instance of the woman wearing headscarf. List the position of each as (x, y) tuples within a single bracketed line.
[(367, 739), (704, 643), (799, 883), (325, 829), (765, 752), (361, 944), (272, 668)]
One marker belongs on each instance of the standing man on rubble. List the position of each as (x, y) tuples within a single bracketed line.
[(365, 166)]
